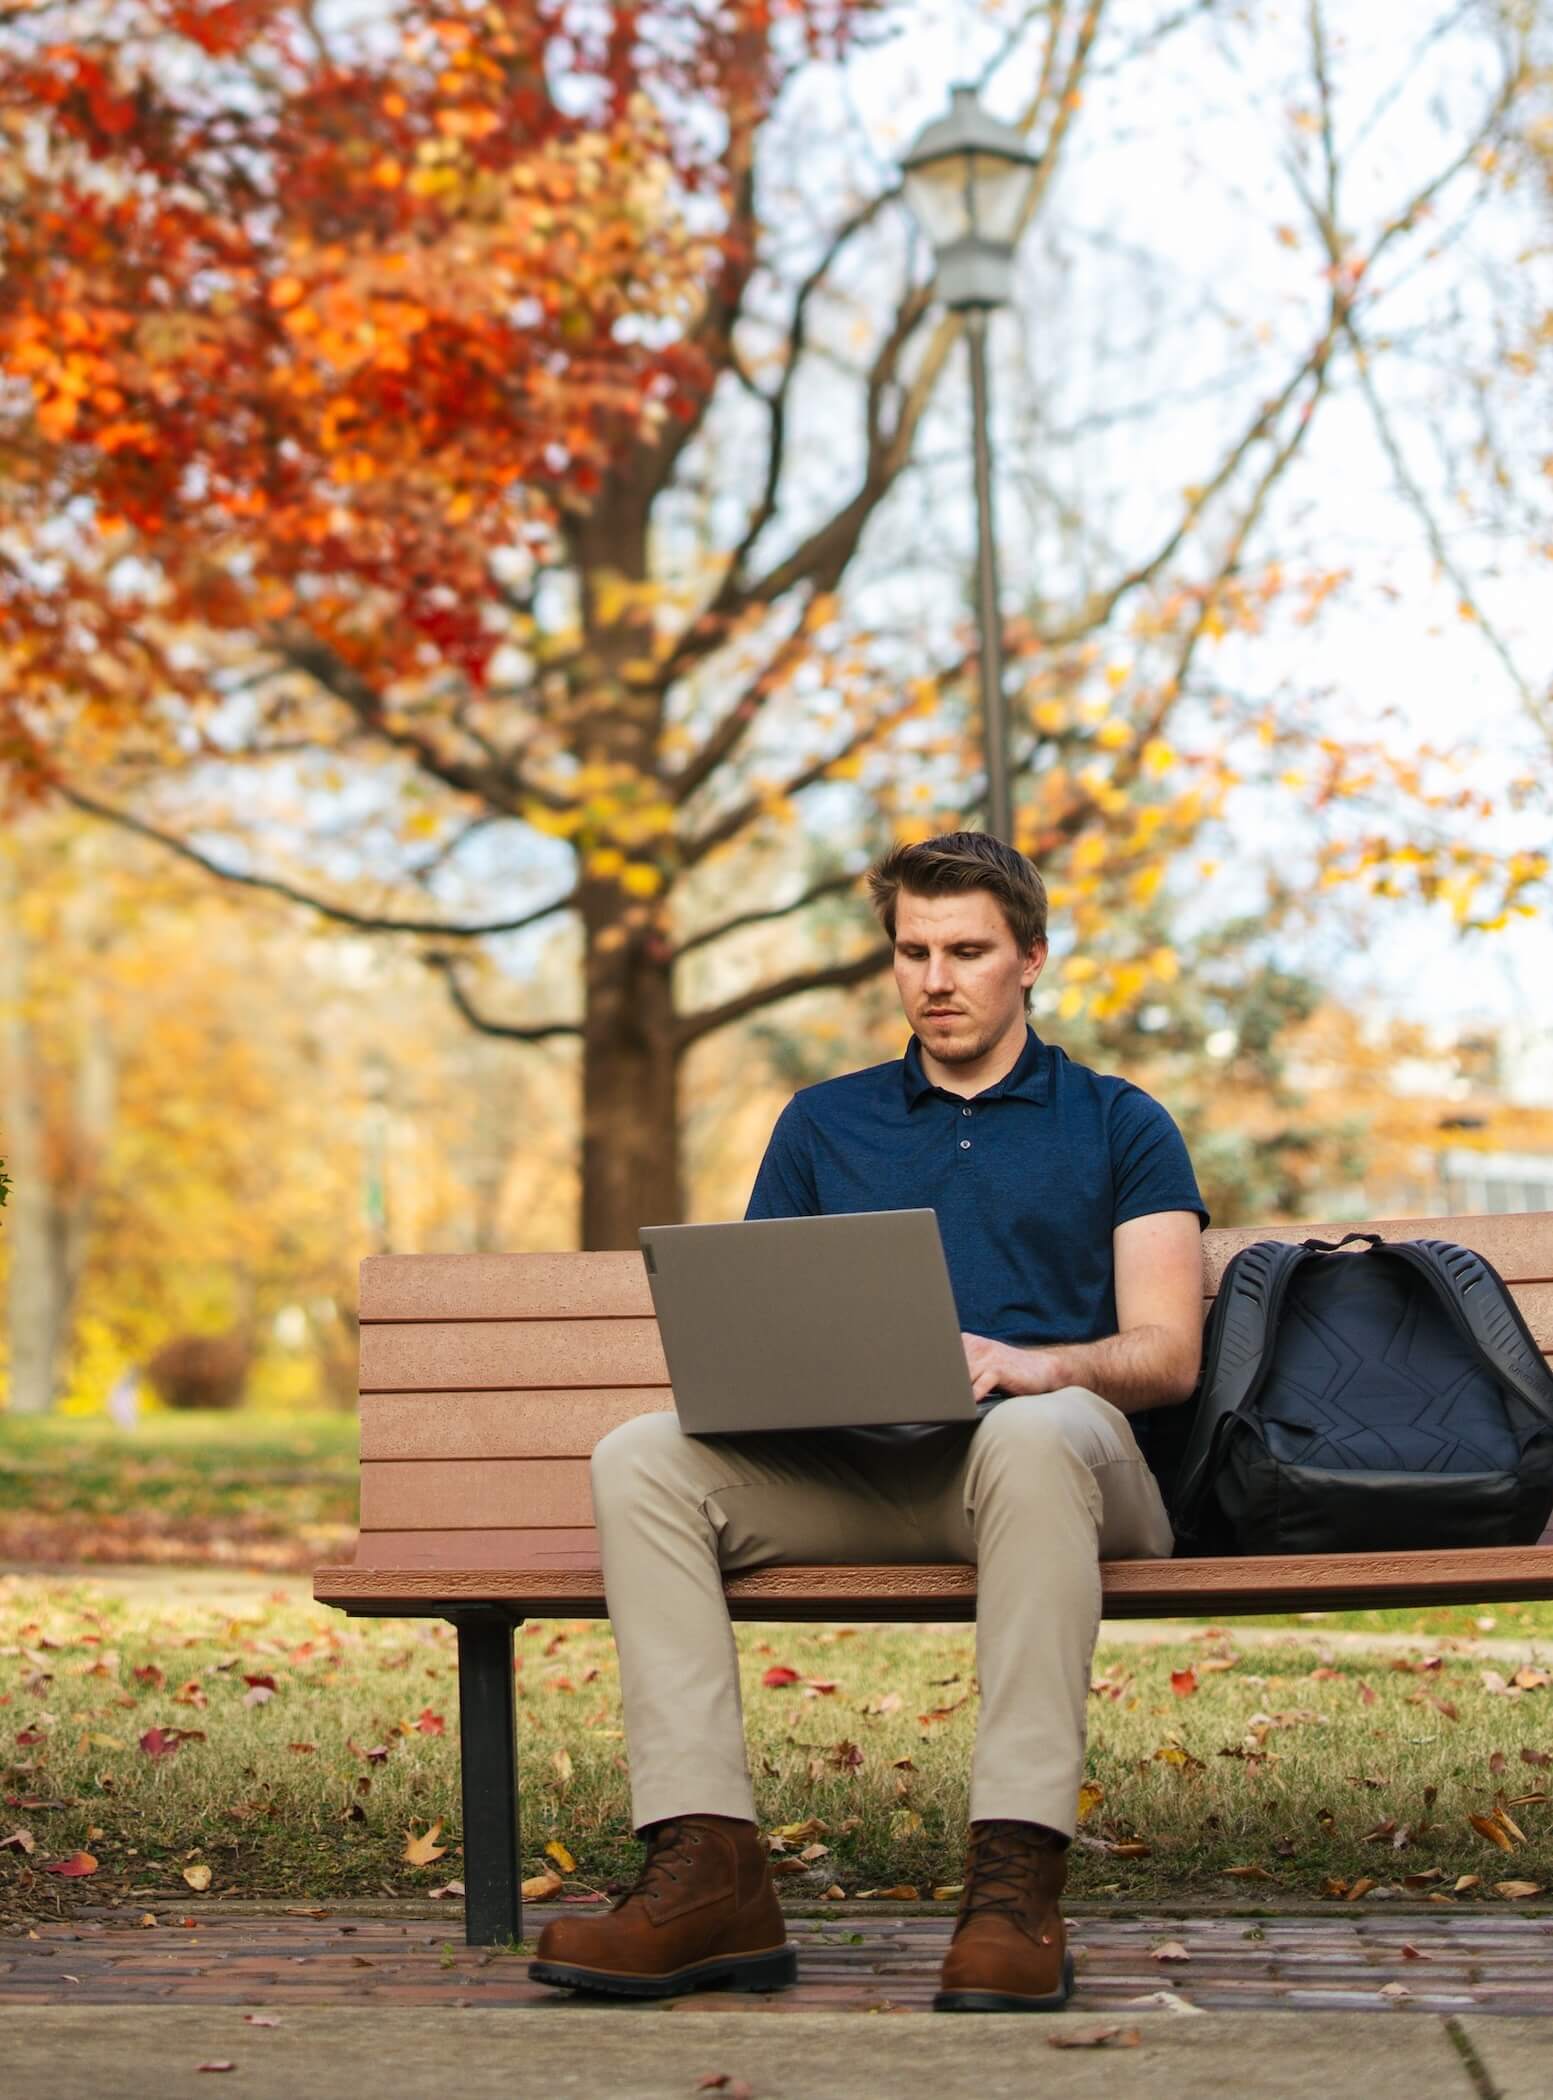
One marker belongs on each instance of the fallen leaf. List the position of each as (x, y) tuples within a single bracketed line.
[(1171, 1950), (197, 1877), (216, 2063), (1183, 1682), (1359, 1888), (903, 1892), (1394, 1990), (22, 1841), (1096, 2038), (834, 1894), (1164, 2001), (1467, 1881), (1090, 1796), (1251, 1873), (423, 1850), (778, 1675), (539, 1888), (1491, 1828), (1537, 1757), (77, 1864), (949, 1891), (561, 1856), (262, 2019), (1513, 1889), (562, 1762), (1412, 1953)]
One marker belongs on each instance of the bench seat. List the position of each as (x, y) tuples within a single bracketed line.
[(487, 1379)]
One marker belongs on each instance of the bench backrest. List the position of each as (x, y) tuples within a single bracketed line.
[(486, 1380)]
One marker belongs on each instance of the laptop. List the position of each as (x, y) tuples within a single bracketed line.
[(808, 1323)]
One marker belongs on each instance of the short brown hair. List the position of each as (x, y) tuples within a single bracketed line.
[(963, 860)]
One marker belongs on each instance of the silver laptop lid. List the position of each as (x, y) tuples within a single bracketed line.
[(798, 1323)]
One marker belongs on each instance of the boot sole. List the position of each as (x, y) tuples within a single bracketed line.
[(1007, 2001), (775, 1971)]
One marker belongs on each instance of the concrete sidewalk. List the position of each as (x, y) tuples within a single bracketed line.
[(634, 2053)]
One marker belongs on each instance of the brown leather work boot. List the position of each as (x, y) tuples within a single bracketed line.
[(703, 1911), (1009, 1951)]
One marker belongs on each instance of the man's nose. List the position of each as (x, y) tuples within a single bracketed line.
[(939, 976)]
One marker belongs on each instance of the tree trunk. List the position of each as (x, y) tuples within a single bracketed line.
[(37, 1294), (630, 1072)]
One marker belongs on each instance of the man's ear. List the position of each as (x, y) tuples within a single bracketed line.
[(1035, 962)]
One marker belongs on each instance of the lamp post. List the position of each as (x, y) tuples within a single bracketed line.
[(968, 179)]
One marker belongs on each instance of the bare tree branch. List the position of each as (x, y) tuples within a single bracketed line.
[(369, 921), (693, 1027), (500, 783), (831, 886), (734, 820), (446, 967)]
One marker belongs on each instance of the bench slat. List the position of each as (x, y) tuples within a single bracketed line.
[(511, 1355), (561, 1422), (441, 1356), (614, 1285), (453, 1494), (1132, 1588)]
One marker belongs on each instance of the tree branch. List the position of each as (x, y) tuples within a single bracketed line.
[(731, 824), (538, 1032), (340, 913), (831, 886), (693, 1027)]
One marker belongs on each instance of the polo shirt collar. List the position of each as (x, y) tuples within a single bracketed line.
[(1030, 1079)]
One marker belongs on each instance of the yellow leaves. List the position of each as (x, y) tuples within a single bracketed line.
[(1089, 853), (1144, 884), (1114, 735), (1164, 964), (563, 1859), (1090, 1796), (606, 861), (1117, 675), (640, 879), (1078, 969), (1071, 1004), (197, 1877), (847, 768), (1050, 715), (539, 1888), (1158, 757), (422, 1850)]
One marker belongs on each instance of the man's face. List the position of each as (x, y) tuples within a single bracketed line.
[(961, 977)]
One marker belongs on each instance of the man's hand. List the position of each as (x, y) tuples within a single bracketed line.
[(998, 1367)]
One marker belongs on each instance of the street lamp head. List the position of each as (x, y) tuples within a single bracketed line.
[(968, 178)]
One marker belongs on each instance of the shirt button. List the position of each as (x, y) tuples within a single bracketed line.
[(965, 1144), (965, 1111)]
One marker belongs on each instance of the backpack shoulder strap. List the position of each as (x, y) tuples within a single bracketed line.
[(1240, 1326), (1478, 1299)]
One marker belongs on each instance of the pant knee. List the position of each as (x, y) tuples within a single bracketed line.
[(633, 1453)]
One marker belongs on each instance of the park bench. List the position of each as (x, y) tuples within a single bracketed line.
[(487, 1379)]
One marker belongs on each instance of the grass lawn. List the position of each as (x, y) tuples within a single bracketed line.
[(294, 1753), (251, 1490)]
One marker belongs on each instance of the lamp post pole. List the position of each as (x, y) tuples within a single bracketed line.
[(994, 706)]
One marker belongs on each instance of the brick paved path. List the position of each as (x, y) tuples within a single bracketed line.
[(1332, 1960)]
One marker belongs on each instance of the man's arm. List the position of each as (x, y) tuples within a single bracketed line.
[(1154, 1356)]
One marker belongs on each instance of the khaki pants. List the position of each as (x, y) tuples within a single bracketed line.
[(1037, 1493)]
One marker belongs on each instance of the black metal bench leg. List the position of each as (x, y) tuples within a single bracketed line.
[(488, 1760)]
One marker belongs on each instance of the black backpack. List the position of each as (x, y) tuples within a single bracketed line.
[(1388, 1400)]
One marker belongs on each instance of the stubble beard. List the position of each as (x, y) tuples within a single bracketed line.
[(955, 1053)]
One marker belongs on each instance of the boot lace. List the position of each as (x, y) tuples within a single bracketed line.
[(1005, 1866), (668, 1849)]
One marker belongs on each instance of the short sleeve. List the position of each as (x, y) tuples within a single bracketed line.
[(1151, 1169), (784, 1187)]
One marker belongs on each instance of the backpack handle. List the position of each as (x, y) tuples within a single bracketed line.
[(1332, 1246)]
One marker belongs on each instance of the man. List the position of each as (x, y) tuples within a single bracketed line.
[(1071, 1222)]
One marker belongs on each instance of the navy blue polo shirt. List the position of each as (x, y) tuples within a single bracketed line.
[(1028, 1178)]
